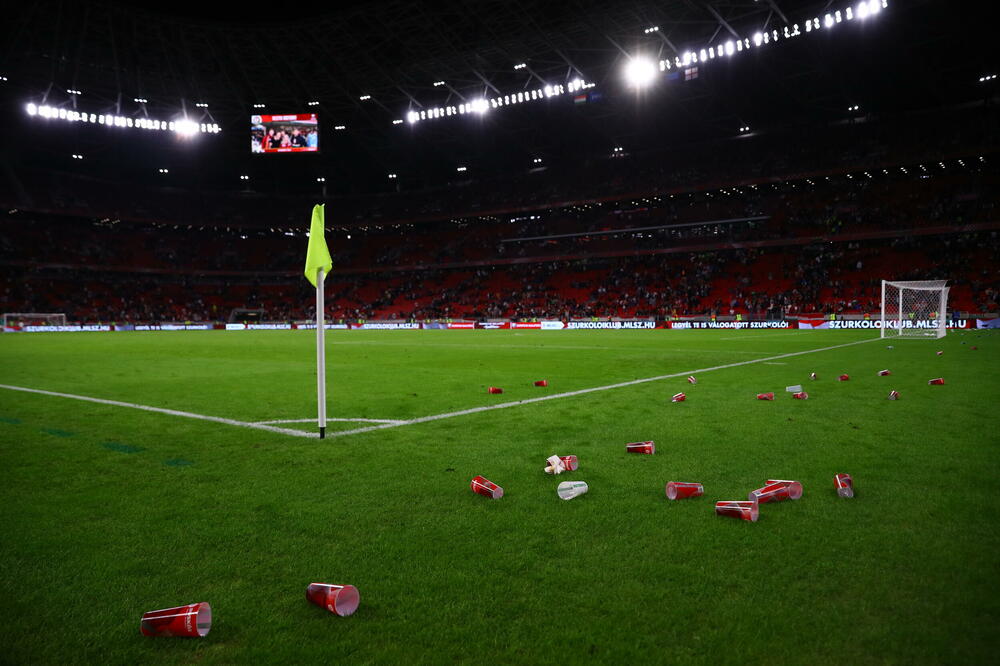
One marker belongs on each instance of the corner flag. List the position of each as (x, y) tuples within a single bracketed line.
[(318, 254), (318, 264)]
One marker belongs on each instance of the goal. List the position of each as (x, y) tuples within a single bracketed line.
[(914, 309), (22, 319)]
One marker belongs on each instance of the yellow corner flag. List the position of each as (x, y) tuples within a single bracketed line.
[(318, 254)]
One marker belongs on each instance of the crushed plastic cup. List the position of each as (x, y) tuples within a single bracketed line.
[(570, 463), (678, 397), (939, 353), (483, 486), (812, 375), (844, 485), (738, 509), (893, 395), (973, 348), (801, 395), (542, 382), (797, 388), (692, 380), (338, 599), (884, 373), (776, 492), (794, 487), (495, 389), (681, 490), (936, 382), (193, 620), (765, 396), (567, 490), (646, 448), (555, 465), (844, 377), (889, 347)]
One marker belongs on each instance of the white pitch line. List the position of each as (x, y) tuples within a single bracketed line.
[(505, 405), (774, 363), (329, 418), (161, 410), (422, 419)]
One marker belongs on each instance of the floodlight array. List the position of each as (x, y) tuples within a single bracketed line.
[(183, 127), (861, 11), (484, 104)]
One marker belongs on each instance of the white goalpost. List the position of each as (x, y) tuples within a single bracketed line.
[(914, 309), (19, 319)]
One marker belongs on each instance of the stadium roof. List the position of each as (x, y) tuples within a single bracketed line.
[(410, 56)]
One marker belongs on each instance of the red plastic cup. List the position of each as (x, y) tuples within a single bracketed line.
[(678, 397), (647, 448), (884, 373), (193, 620), (338, 599), (801, 395), (844, 485), (794, 487), (681, 490), (494, 389), (939, 353), (776, 492), (936, 382), (844, 378), (737, 509), (973, 348), (483, 486), (765, 396), (692, 380), (812, 375), (570, 463), (893, 395), (542, 382)]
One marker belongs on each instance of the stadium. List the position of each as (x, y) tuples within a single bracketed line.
[(624, 332)]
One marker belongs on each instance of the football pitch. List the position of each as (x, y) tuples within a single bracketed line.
[(140, 502)]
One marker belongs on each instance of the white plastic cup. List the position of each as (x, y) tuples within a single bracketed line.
[(567, 490)]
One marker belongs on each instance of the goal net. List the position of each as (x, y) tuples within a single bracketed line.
[(22, 319), (914, 309)]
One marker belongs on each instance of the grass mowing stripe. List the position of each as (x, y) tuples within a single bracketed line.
[(569, 394), (161, 410)]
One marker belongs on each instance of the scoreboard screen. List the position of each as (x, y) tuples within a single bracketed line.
[(286, 133)]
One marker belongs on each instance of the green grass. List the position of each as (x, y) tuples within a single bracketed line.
[(108, 512)]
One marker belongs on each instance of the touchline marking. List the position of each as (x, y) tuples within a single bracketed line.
[(161, 410), (568, 394), (774, 363), (422, 419), (329, 418)]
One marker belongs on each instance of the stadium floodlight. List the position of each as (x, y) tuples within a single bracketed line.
[(3, 78), (140, 100), (244, 177), (258, 105), (186, 127), (321, 179), (164, 170), (987, 77), (397, 121), (640, 71), (393, 176), (313, 103), (201, 105), (651, 29), (520, 65), (438, 84), (77, 156), (72, 91), (365, 98), (340, 127), (537, 160)]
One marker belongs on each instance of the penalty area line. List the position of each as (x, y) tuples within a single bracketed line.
[(569, 394), (162, 410)]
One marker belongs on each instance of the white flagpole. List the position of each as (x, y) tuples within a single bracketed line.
[(320, 356)]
